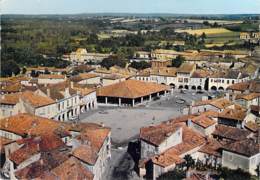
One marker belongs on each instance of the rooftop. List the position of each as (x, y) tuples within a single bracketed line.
[(230, 133), (51, 76), (131, 89), (233, 114), (247, 147), (27, 96), (203, 121), (190, 140), (25, 124), (220, 103), (72, 169)]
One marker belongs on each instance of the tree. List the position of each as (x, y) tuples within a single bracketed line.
[(24, 70), (140, 65), (189, 161), (8, 68), (46, 71), (112, 61), (231, 174), (206, 23), (177, 62), (176, 174)]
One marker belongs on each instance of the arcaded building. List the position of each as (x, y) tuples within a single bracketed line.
[(130, 93)]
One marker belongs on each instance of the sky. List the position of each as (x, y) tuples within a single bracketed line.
[(129, 6)]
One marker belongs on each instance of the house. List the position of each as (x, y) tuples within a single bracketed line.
[(198, 80), (202, 124), (130, 93), (67, 99), (242, 154), (51, 78), (164, 146), (229, 134), (29, 151), (245, 35), (87, 97), (245, 87), (81, 55), (184, 75), (142, 55), (232, 117), (41, 148), (211, 153), (92, 147), (222, 80), (86, 78), (112, 79), (27, 102), (246, 100), (217, 105), (160, 63)]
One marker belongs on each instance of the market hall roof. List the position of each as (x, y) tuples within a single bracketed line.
[(131, 89)]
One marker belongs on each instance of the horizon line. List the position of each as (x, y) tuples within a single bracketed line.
[(132, 13)]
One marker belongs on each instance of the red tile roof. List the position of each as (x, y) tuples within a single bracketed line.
[(230, 133), (190, 140), (212, 147), (131, 89), (157, 134), (203, 121), (220, 103), (72, 169), (233, 114), (27, 96), (51, 76), (86, 153), (247, 147), (24, 124), (36, 145)]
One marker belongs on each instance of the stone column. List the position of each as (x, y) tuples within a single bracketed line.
[(150, 97), (119, 101), (142, 99), (105, 100), (133, 102)]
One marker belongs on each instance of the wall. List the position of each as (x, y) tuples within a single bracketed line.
[(203, 108), (6, 110), (172, 140), (94, 80), (106, 82), (49, 111), (50, 81), (234, 161)]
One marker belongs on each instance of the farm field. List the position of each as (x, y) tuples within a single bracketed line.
[(208, 31), (216, 36)]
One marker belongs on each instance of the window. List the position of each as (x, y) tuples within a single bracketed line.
[(227, 81), (233, 82)]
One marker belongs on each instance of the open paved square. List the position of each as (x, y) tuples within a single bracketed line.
[(126, 122)]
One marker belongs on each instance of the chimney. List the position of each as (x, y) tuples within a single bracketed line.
[(102, 124), (38, 147), (41, 162), (48, 92), (72, 84)]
